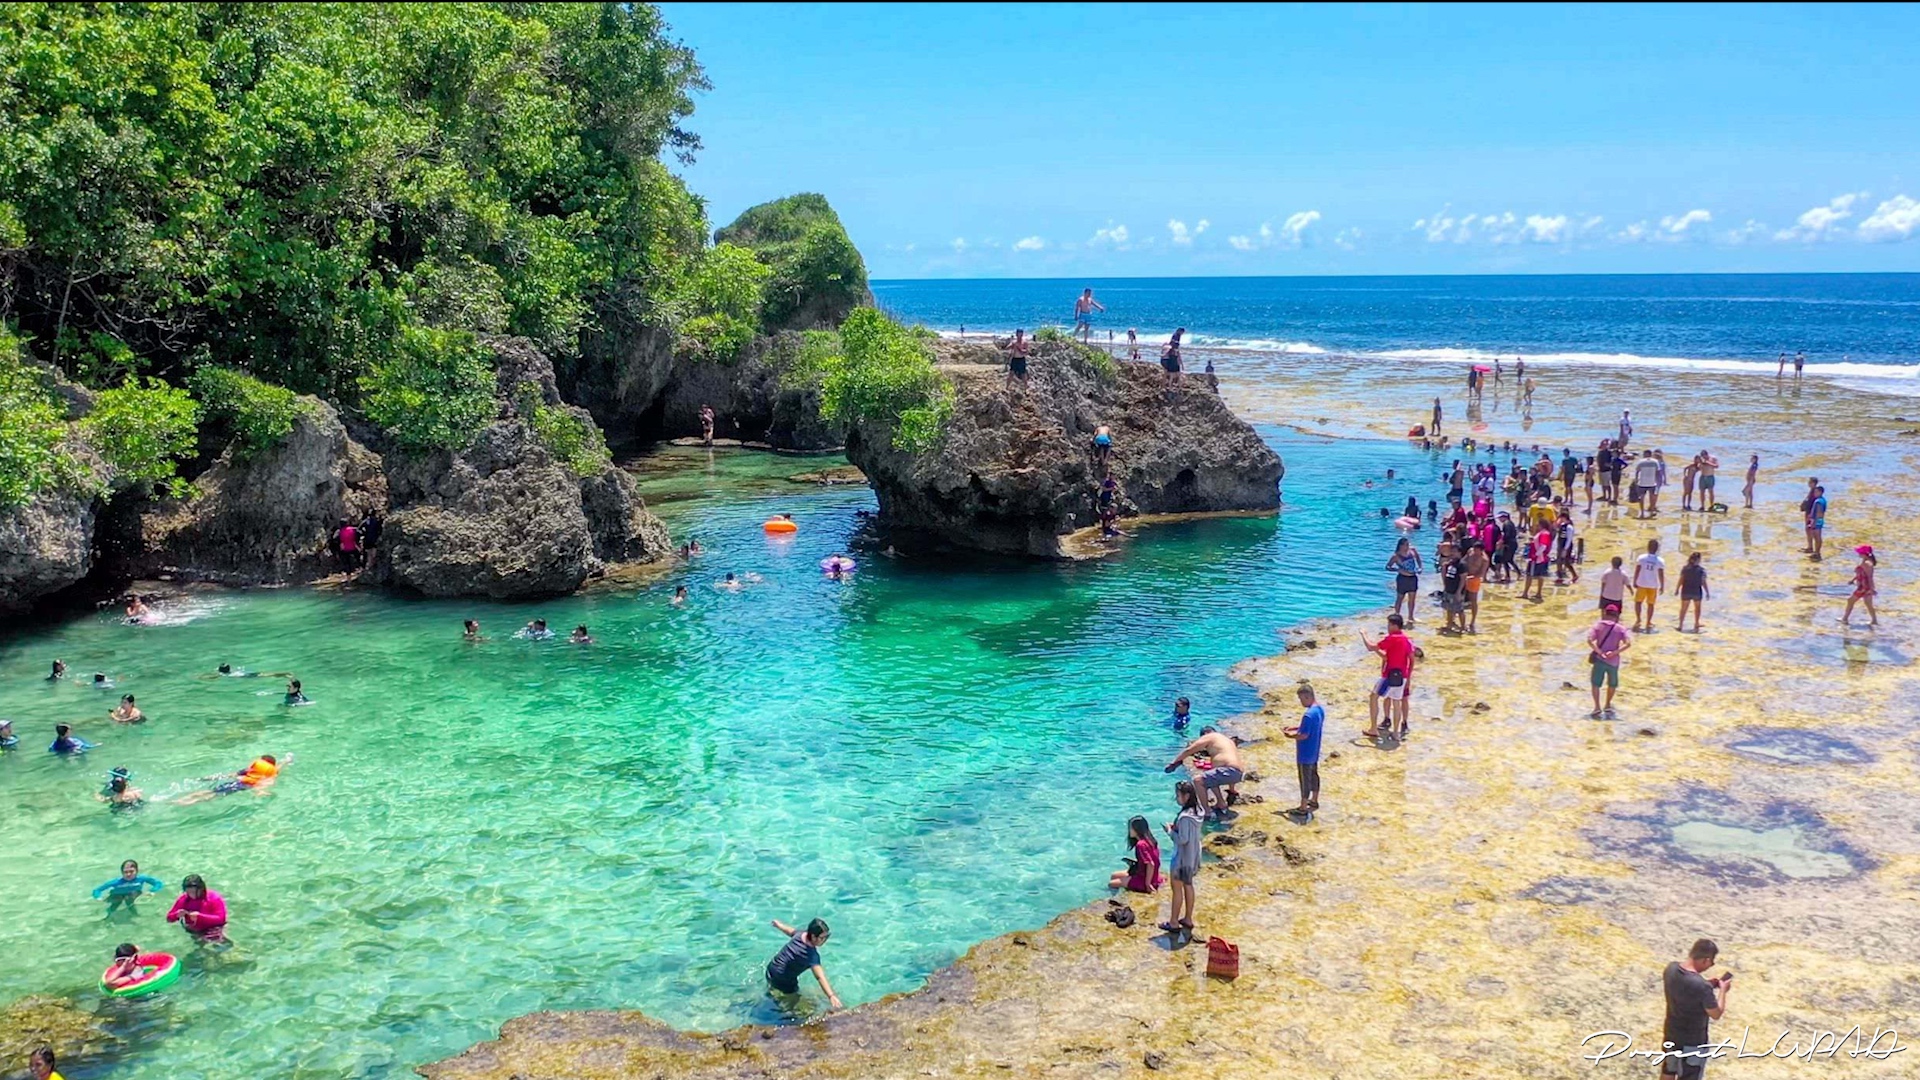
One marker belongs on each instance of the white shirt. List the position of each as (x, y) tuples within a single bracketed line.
[(1613, 584), (1647, 570), (1647, 473)]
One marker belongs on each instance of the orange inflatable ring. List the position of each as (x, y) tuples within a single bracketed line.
[(781, 525)]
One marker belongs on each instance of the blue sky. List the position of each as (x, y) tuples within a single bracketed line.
[(1035, 140)]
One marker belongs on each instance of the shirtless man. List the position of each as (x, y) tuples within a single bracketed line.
[(1017, 350), (1476, 565), (1083, 310), (1224, 769), (706, 424), (1708, 467)]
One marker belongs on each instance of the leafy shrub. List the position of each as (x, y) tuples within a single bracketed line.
[(573, 439), (879, 372), (259, 415), (142, 428), (725, 290), (32, 428), (435, 392), (1097, 362)]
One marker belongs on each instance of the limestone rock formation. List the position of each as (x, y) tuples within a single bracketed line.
[(266, 518), (1014, 470), (750, 397), (46, 544), (504, 518)]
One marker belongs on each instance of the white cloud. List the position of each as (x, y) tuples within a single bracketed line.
[(1202, 227), (910, 247), (1240, 243), (1266, 232), (959, 244), (1896, 219), (1181, 234), (1348, 239), (1545, 230), (1815, 223), (1029, 243), (1505, 227), (1112, 234), (1297, 223), (1676, 225), (1591, 223), (1746, 232), (1633, 233)]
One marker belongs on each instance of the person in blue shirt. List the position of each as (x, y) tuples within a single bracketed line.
[(801, 954), (7, 738), (66, 742), (1182, 714), (125, 889), (1306, 740)]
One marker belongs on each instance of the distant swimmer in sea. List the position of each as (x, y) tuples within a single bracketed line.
[(66, 742), (126, 712), (200, 911), (730, 583), (60, 666), (470, 630), (257, 777), (580, 636), (137, 611), (8, 740), (535, 631), (679, 595), (295, 695), (1083, 310), (228, 671), (101, 681), (120, 792), (1182, 713)]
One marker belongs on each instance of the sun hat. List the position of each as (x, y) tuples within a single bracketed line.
[(1863, 549)]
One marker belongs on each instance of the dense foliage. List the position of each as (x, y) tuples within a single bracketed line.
[(818, 275), (33, 428), (876, 370), (255, 415), (142, 428), (573, 439), (291, 190), (725, 290), (434, 391), (1098, 362)]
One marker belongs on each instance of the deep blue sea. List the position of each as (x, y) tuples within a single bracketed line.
[(1855, 325)]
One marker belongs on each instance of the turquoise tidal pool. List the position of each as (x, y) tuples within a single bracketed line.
[(927, 755)]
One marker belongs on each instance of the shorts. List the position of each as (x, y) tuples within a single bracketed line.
[(1170, 365), (1606, 673), (1645, 596), (1695, 595), (1391, 693), (228, 787), (1607, 602), (1083, 319), (1406, 583), (1472, 585), (1454, 494), (1706, 483), (789, 985), (1689, 1063), (1452, 603), (1183, 873), (1537, 569), (1221, 777), (1018, 366)]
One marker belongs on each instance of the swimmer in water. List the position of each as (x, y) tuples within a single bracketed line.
[(693, 546), (127, 712), (580, 635), (101, 682), (470, 630), (1182, 713), (228, 671), (731, 584), (137, 610), (65, 742), (125, 969), (536, 631), (295, 696), (7, 738), (679, 595), (199, 910), (59, 671), (129, 886), (120, 792), (1389, 474), (257, 777)]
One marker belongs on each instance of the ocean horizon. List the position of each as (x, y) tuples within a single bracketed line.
[(1858, 326)]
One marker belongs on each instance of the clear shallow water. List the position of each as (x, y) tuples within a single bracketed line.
[(1848, 324), (926, 756)]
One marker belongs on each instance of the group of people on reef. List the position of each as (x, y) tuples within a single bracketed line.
[(353, 545)]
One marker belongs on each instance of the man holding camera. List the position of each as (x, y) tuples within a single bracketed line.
[(1692, 1001)]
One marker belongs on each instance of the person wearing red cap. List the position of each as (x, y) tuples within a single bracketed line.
[(1605, 642), (1863, 589)]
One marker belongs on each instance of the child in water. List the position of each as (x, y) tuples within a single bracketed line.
[(7, 738), (120, 792), (470, 631), (295, 696), (1182, 713), (125, 969), (679, 595), (127, 712), (125, 889), (65, 742), (580, 635)]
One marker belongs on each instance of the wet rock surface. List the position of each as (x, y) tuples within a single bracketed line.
[(1015, 471), (46, 545)]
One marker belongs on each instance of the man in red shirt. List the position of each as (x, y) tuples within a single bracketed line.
[(1396, 679)]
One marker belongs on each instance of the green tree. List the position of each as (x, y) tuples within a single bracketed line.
[(257, 415), (725, 291), (818, 275), (435, 392), (879, 372), (33, 429), (142, 428)]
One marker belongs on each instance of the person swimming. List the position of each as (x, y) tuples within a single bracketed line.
[(125, 969), (137, 611), (731, 583), (1182, 714), (59, 671), (470, 630), (228, 671), (120, 792), (128, 887), (66, 742), (295, 695), (679, 595), (7, 738), (535, 631), (580, 635), (257, 777), (127, 712), (101, 682)]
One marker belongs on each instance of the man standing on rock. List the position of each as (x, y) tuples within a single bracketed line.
[(706, 424), (1396, 679), (1017, 350), (1693, 1000), (1083, 310)]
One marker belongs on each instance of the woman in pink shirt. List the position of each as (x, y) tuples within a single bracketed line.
[(1142, 874), (200, 911)]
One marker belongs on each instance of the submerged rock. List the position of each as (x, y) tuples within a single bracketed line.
[(504, 518), (1014, 470), (265, 518)]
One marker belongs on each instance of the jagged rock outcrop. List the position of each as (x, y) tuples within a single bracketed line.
[(266, 517), (1014, 470), (751, 398), (504, 518), (46, 544)]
